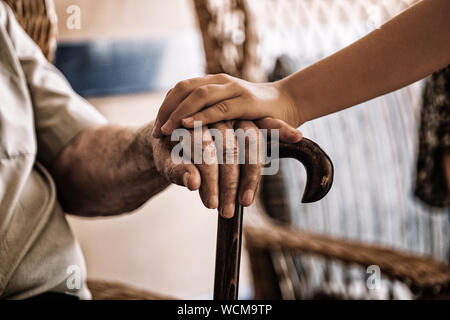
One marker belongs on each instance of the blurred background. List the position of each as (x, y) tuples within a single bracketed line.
[(123, 56)]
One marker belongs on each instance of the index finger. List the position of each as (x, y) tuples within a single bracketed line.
[(249, 146), (177, 95)]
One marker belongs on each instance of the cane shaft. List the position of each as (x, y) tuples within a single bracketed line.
[(228, 256)]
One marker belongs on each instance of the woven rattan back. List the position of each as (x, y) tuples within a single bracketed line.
[(244, 37), (228, 38), (38, 18)]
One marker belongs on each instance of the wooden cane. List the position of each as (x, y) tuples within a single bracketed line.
[(228, 255), (319, 172)]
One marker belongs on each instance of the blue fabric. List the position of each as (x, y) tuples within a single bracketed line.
[(104, 67)]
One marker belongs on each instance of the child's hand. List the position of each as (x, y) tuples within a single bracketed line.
[(215, 98)]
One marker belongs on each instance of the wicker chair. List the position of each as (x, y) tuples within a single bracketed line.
[(38, 18), (235, 43)]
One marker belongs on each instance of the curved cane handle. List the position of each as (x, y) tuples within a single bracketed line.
[(318, 165), (319, 170)]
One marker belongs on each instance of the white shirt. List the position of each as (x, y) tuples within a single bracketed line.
[(39, 114)]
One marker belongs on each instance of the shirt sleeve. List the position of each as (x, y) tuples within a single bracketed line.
[(60, 113)]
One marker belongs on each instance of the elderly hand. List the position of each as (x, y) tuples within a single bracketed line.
[(219, 176)]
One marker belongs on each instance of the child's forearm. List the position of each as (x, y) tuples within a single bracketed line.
[(404, 50)]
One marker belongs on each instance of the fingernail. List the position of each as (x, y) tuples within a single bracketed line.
[(188, 121), (228, 211), (213, 202), (294, 134), (186, 177), (167, 127), (247, 198)]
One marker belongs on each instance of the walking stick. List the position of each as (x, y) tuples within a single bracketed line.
[(319, 171)]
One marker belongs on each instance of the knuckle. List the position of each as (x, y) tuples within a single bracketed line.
[(197, 144), (248, 92), (223, 77), (210, 155), (230, 142), (230, 187), (231, 155), (170, 173), (223, 107), (236, 86), (250, 130), (208, 144), (182, 86), (205, 152), (229, 124), (259, 164), (231, 150), (251, 144), (220, 126), (201, 93)]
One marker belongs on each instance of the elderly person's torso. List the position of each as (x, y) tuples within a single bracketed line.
[(38, 251)]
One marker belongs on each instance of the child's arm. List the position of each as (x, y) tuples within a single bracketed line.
[(407, 48), (404, 50)]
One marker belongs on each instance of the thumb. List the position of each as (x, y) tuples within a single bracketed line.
[(186, 175), (286, 132)]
